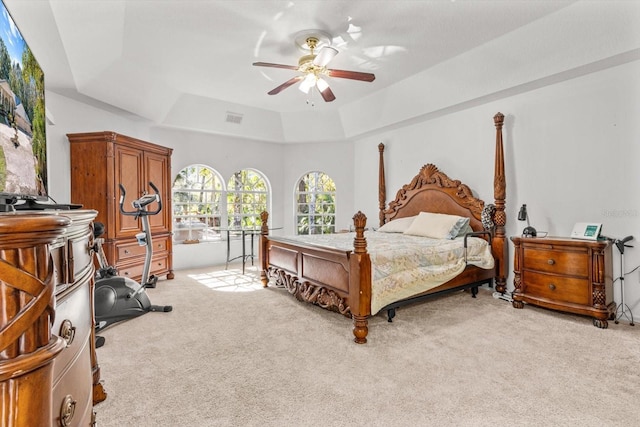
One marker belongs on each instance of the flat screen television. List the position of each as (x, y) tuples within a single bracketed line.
[(23, 141)]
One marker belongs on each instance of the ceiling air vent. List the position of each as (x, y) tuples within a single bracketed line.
[(234, 117)]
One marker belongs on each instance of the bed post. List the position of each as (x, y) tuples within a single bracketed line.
[(382, 189), (500, 245), (264, 232), (360, 281)]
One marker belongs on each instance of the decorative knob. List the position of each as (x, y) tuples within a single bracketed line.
[(67, 410), (126, 251), (67, 331), (552, 286), (551, 262)]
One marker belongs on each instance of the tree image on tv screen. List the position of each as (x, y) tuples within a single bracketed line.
[(23, 148)]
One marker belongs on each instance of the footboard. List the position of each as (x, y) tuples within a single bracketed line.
[(311, 274), (334, 279)]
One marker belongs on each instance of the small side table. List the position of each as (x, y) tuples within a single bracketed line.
[(565, 274), (243, 233)]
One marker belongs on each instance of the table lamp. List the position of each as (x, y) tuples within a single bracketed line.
[(528, 231)]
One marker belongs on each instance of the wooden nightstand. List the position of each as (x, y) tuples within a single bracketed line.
[(565, 274)]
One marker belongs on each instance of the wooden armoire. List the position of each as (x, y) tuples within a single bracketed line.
[(100, 161)]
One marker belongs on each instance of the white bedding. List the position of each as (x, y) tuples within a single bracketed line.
[(404, 265)]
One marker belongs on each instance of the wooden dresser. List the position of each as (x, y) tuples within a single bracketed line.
[(49, 373), (76, 373), (100, 161), (565, 274)]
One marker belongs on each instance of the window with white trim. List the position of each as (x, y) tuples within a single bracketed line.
[(198, 204), (315, 201), (247, 197)]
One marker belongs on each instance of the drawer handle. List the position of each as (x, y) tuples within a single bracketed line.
[(126, 251), (551, 262), (67, 410), (552, 286), (67, 331)]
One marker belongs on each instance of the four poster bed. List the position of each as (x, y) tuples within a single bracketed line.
[(357, 282)]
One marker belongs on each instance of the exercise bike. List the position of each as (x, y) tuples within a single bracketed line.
[(121, 298)]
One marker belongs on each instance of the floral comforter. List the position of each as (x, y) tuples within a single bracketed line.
[(403, 266)]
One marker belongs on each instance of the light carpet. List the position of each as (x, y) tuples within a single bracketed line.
[(232, 353)]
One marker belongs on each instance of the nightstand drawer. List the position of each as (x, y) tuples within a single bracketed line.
[(571, 263), (557, 288)]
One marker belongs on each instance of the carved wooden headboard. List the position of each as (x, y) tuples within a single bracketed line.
[(433, 191)]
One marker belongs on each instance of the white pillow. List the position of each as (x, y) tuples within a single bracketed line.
[(437, 226), (399, 225)]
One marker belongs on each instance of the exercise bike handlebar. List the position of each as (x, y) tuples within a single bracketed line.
[(141, 203)]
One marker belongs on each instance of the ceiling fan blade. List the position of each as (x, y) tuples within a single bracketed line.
[(285, 85), (353, 75), (326, 92), (269, 64), (325, 55)]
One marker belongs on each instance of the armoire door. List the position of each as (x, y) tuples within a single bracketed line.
[(128, 172), (156, 169)]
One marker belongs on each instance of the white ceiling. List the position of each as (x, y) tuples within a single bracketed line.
[(163, 60)]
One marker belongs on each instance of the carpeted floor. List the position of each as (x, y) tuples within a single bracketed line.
[(232, 353)]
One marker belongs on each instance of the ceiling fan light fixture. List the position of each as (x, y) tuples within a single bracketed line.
[(307, 83), (325, 55)]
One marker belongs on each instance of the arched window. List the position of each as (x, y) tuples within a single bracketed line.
[(247, 197), (315, 204), (197, 204)]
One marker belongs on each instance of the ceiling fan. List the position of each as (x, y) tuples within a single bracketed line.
[(313, 67)]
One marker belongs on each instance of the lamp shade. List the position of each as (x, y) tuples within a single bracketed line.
[(522, 215)]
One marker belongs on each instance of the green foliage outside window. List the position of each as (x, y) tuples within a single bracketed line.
[(247, 196), (316, 204), (197, 197)]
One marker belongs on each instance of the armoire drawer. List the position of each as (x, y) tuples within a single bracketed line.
[(130, 250), (134, 271)]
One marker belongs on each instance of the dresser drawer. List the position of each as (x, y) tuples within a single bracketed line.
[(72, 393), (571, 263), (81, 259), (133, 271), (557, 288), (130, 250), (72, 323)]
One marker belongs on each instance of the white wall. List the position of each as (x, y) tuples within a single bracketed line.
[(571, 154)]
